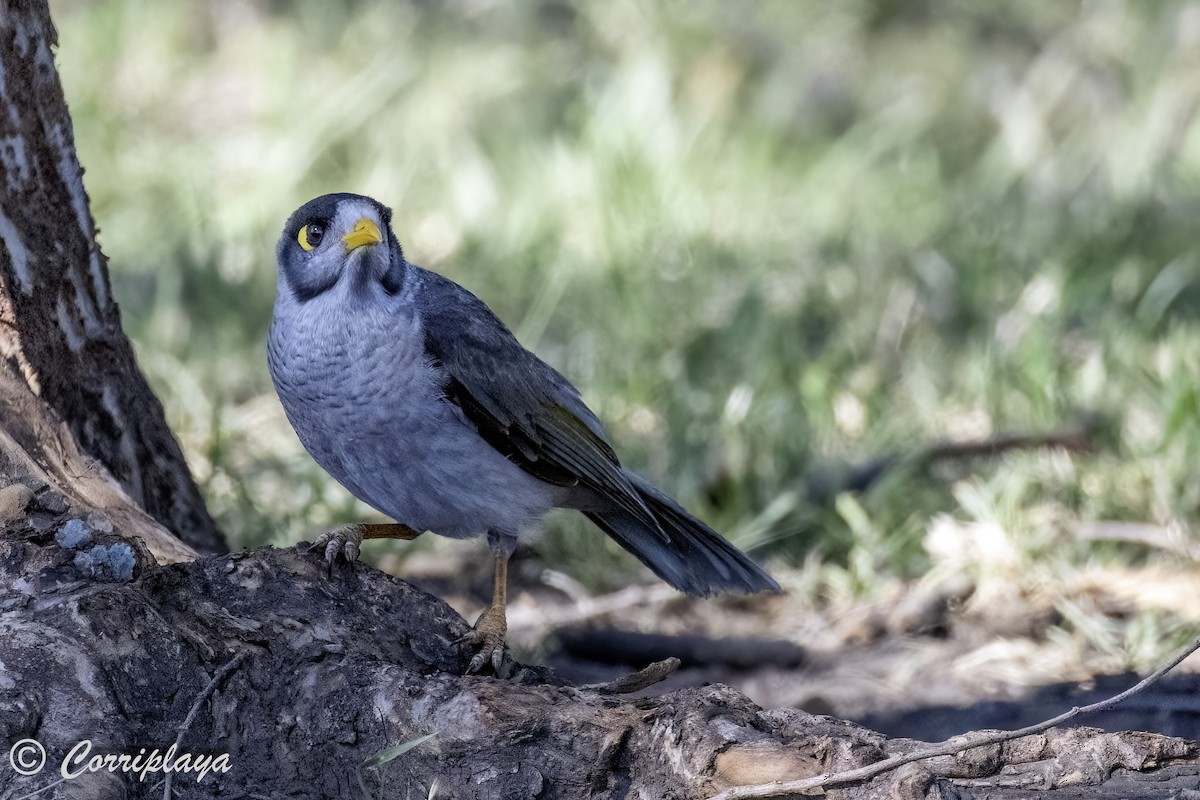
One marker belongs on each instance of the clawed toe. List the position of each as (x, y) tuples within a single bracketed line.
[(472, 637), (488, 635), (481, 658), (489, 653), (344, 541)]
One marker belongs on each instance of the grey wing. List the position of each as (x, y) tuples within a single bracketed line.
[(518, 403)]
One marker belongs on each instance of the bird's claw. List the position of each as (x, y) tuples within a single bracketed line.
[(488, 634), (344, 541)]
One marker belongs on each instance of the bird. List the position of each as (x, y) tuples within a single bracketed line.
[(411, 393)]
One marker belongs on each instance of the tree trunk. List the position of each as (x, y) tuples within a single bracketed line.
[(131, 668), (60, 330)]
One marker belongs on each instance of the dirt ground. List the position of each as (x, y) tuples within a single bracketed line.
[(923, 661)]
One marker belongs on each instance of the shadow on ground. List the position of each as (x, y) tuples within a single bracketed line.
[(1171, 707)]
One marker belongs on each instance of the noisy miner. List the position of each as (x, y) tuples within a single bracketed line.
[(413, 395)]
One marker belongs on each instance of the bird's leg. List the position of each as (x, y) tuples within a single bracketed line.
[(492, 626), (347, 539)]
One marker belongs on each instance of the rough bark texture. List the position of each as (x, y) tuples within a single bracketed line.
[(336, 671), (46, 480), (60, 329)]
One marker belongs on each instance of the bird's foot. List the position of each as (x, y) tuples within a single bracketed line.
[(488, 634), (344, 541)]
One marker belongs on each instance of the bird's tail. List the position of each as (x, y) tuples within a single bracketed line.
[(685, 553)]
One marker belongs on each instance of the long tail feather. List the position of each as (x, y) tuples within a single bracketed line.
[(686, 553)]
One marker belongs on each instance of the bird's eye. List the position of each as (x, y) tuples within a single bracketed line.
[(310, 235)]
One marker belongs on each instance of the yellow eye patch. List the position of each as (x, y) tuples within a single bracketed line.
[(310, 235)]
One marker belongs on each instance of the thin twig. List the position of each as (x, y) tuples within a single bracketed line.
[(45, 788), (648, 676), (204, 695), (1077, 440), (1172, 538), (862, 476), (947, 748)]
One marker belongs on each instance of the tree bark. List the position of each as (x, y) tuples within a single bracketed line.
[(60, 329), (303, 679)]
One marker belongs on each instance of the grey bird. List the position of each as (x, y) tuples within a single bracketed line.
[(414, 396)]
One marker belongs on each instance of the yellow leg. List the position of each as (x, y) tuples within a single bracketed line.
[(389, 530), (492, 626)]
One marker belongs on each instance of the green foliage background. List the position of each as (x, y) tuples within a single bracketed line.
[(765, 238)]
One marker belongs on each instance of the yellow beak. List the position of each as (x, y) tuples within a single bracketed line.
[(365, 232)]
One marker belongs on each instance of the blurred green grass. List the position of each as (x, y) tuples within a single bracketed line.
[(764, 238)]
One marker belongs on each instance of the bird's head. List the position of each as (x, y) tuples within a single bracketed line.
[(340, 238)]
